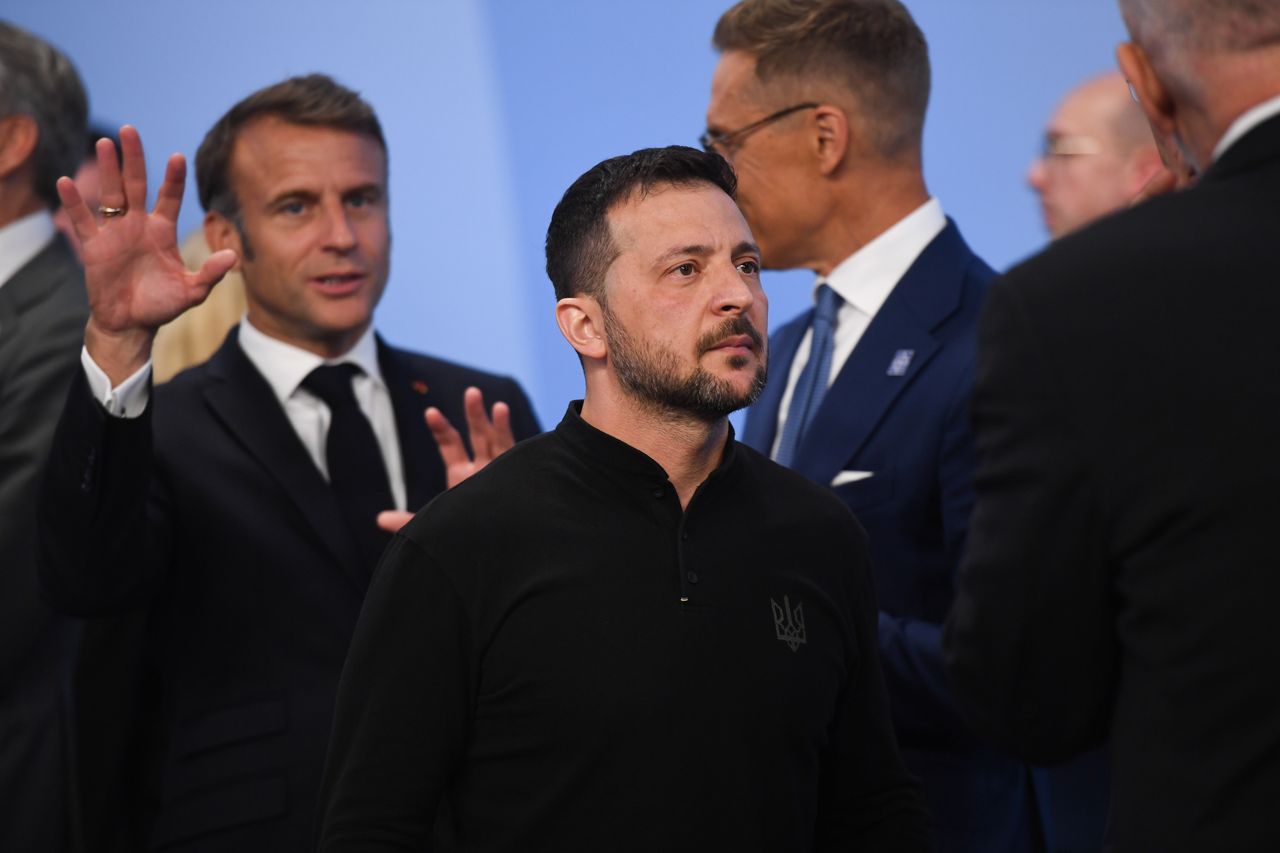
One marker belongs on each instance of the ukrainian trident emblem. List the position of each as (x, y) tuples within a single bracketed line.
[(788, 622)]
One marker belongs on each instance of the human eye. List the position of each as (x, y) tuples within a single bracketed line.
[(685, 270), (364, 198), (292, 207), (749, 267)]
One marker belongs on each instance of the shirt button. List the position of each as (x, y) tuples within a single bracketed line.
[(692, 576), (659, 492)]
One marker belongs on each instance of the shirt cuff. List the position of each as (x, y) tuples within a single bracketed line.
[(128, 399)]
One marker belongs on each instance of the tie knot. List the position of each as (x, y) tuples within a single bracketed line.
[(828, 305), (332, 383)]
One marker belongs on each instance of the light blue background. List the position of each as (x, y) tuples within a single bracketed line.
[(492, 107)]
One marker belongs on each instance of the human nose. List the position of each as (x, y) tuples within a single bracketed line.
[(736, 293), (339, 235), (1036, 175)]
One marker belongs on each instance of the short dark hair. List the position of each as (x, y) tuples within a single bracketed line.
[(313, 99), (580, 246), (37, 80), (871, 48)]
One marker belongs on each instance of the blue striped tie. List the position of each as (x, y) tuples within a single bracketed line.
[(812, 384)]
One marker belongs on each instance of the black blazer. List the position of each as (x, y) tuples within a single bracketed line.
[(43, 310), (1123, 572), (235, 545)]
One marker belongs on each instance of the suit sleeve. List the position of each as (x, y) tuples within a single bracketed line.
[(403, 709), (924, 707), (38, 357), (1030, 643), (102, 511), (867, 800)]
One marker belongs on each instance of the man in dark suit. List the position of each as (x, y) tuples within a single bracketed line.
[(819, 105), (42, 313), (1122, 566), (239, 506)]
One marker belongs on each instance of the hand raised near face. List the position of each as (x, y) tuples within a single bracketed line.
[(134, 276)]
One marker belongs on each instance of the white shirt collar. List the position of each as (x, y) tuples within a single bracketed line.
[(285, 366), (22, 240), (867, 277), (1246, 122)]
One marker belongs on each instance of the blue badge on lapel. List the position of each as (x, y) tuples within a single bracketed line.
[(901, 361)]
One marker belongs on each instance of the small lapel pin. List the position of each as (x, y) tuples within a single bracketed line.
[(901, 361), (419, 386)]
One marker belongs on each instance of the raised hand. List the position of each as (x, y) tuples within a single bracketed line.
[(134, 275), (490, 438)]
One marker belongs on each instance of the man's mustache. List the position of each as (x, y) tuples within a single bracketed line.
[(732, 327)]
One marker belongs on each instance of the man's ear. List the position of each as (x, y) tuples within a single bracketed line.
[(831, 144), (18, 137), (1153, 96), (582, 323), (221, 233)]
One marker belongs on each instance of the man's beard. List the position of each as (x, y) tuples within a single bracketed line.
[(651, 373)]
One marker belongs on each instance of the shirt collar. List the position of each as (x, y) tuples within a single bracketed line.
[(602, 448), (867, 277), (23, 239), (1246, 122), (284, 365)]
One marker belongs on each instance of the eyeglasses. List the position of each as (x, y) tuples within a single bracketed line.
[(711, 141), (1059, 146)]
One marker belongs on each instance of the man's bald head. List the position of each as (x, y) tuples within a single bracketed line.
[(1098, 152)]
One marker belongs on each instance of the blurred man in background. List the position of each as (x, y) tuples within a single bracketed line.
[(43, 110), (1098, 154)]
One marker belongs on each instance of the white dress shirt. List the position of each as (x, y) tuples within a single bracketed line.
[(1246, 122), (284, 366), (23, 239), (864, 281)]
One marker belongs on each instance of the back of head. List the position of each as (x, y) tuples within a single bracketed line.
[(871, 50), (314, 100), (38, 81), (580, 246), (1205, 27)]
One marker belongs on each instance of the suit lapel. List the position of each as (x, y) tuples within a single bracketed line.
[(410, 397), (762, 417), (896, 346), (244, 403)]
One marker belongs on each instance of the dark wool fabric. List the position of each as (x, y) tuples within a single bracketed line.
[(555, 656)]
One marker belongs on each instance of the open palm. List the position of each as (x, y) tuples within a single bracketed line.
[(134, 275)]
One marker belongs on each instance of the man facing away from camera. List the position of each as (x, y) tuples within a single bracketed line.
[(628, 634)]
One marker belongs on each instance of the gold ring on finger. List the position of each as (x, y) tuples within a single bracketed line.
[(108, 212)]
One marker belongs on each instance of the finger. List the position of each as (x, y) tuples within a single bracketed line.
[(110, 192), (213, 269), (82, 219), (169, 199), (448, 440), (135, 169), (477, 423), (392, 520), (503, 438)]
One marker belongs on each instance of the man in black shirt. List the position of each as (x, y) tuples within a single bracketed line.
[(628, 634)]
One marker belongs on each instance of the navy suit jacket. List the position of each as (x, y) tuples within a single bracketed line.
[(899, 409), (207, 514)]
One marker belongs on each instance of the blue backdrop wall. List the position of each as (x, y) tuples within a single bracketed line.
[(492, 107)]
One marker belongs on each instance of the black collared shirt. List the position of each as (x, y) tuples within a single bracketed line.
[(564, 658)]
